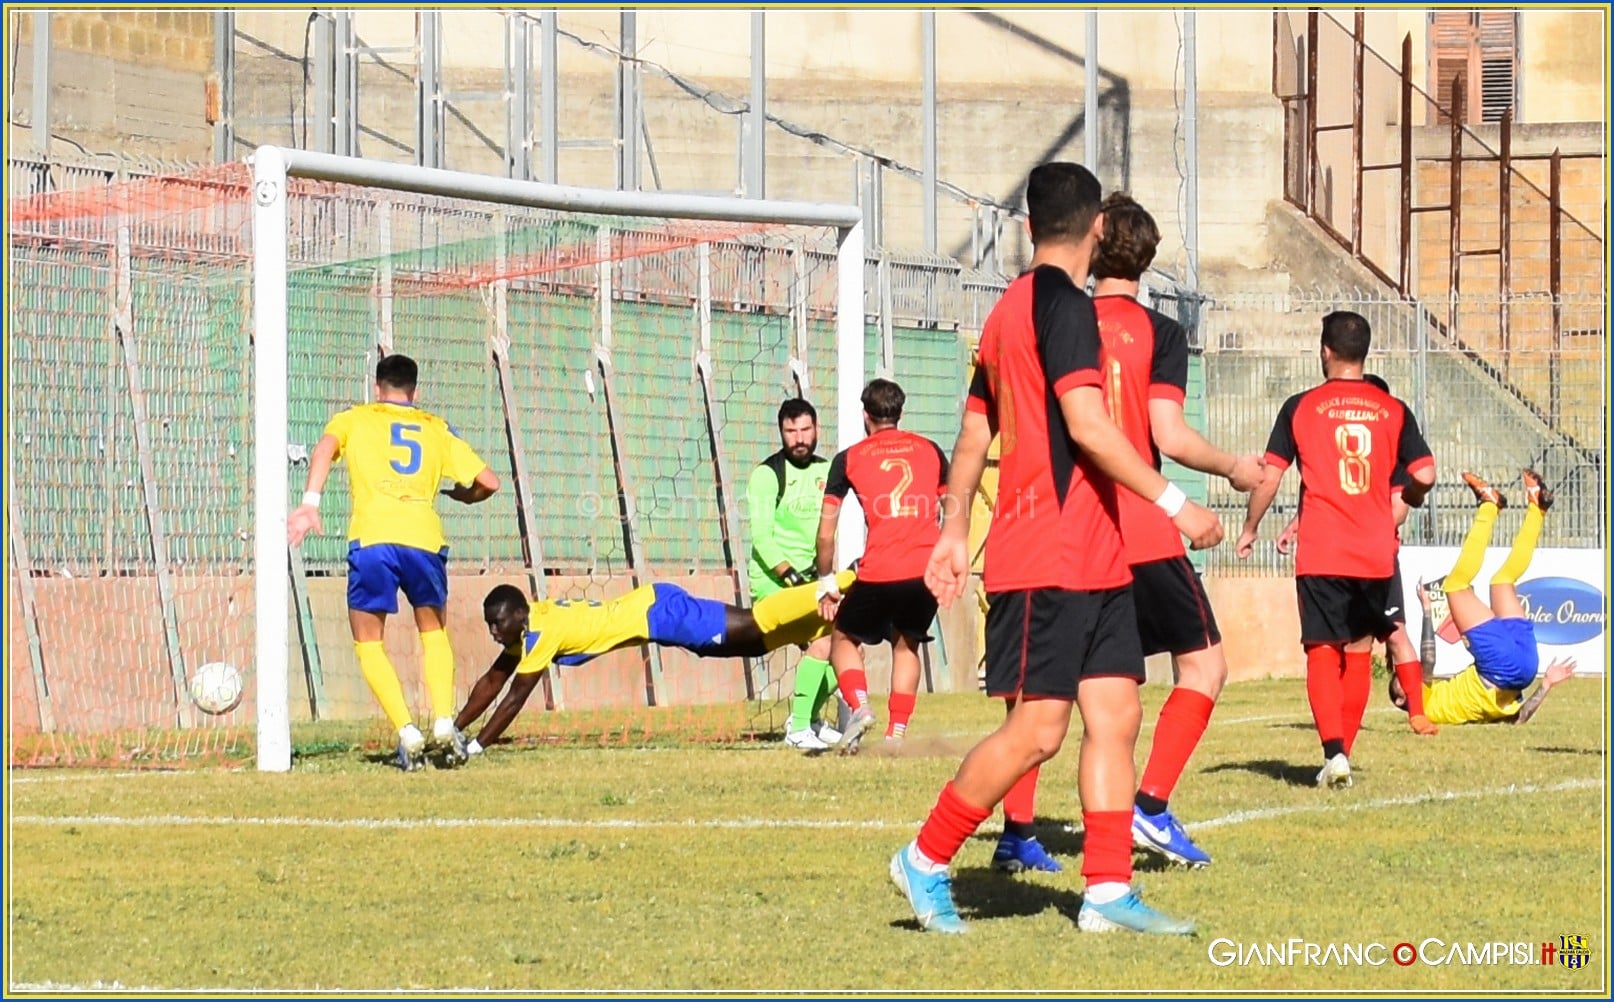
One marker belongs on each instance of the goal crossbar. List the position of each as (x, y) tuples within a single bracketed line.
[(272, 166)]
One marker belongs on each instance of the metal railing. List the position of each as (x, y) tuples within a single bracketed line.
[(1372, 198)]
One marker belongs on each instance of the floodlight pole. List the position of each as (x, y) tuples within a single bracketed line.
[(271, 168)]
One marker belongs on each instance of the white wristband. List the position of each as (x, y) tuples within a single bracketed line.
[(311, 497), (1171, 500), (829, 587)]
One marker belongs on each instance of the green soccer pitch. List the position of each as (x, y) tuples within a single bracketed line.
[(690, 867)]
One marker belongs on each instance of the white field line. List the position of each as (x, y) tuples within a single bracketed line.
[(73, 776), (1333, 803), (1237, 817), (1338, 803)]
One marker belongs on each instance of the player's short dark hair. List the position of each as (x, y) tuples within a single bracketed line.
[(1062, 200), (796, 407), (397, 371), (1368, 377), (1347, 335), (503, 598), (1130, 239), (883, 400)]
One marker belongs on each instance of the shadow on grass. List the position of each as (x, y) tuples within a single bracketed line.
[(1064, 839), (1283, 772), (436, 758), (984, 893)]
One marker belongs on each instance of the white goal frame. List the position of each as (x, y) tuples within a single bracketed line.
[(271, 168)]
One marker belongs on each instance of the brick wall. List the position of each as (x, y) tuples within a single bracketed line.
[(124, 82)]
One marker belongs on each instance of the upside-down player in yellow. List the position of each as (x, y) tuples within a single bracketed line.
[(535, 635), (1501, 637)]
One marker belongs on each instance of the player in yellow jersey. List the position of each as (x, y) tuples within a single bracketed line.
[(397, 455), (1500, 636), (535, 635)]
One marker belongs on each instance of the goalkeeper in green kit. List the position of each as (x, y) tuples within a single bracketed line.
[(785, 498)]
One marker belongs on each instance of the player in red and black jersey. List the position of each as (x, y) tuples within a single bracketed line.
[(1061, 628), (898, 477), (1402, 655), (1348, 436), (1145, 368)]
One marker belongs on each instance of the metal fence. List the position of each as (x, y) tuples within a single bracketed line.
[(1261, 349)]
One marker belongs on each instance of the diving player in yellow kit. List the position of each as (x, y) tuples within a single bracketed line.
[(535, 635)]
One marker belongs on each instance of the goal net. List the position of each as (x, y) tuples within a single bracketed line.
[(616, 358)]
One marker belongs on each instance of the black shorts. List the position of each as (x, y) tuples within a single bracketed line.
[(1174, 614), (1396, 605), (1339, 610), (1044, 642), (874, 612)]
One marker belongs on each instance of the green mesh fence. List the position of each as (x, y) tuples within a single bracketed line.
[(442, 281)]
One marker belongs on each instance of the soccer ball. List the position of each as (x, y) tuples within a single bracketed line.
[(216, 687)]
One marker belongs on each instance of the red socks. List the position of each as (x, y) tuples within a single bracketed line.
[(1410, 674), (1020, 803), (900, 709), (952, 821), (1325, 664), (854, 687), (1182, 723), (1107, 847), (1356, 690)]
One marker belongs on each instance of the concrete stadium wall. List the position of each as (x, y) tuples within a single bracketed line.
[(133, 82), (85, 624)]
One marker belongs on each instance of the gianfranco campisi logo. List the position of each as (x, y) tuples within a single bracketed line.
[(1563, 610), (1565, 951)]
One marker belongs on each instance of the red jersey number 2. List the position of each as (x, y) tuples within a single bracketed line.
[(898, 497)]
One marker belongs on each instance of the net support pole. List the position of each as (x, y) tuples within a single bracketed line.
[(735, 556), (307, 636), (28, 600), (800, 372), (383, 341), (269, 550), (532, 549), (156, 526), (850, 335), (627, 503)]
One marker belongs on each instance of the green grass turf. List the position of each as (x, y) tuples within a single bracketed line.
[(685, 867)]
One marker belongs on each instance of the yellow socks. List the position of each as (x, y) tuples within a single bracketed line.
[(382, 679), (791, 605), (438, 669), (1473, 551), (1524, 547)]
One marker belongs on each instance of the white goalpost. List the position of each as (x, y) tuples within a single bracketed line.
[(273, 170)]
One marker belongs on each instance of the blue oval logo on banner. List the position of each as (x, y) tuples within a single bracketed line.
[(1565, 611)]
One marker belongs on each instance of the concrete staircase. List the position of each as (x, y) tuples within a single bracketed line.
[(1261, 347)]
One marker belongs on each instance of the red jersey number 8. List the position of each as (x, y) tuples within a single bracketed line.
[(1355, 443)]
